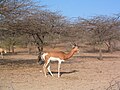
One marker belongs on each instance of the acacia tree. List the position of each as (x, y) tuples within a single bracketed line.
[(40, 25), (8, 40), (112, 31), (12, 11), (25, 17), (101, 29)]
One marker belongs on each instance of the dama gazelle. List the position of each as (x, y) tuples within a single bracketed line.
[(56, 56)]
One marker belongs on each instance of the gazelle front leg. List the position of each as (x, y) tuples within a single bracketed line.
[(59, 63), (44, 70), (49, 70)]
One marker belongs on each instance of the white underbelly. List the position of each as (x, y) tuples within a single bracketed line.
[(56, 59)]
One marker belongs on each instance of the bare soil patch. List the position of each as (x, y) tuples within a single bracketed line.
[(82, 72)]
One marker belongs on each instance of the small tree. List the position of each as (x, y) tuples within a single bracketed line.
[(101, 29), (9, 39)]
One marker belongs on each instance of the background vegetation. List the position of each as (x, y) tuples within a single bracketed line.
[(25, 23)]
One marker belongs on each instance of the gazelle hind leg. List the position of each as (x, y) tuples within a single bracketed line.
[(59, 63), (49, 70)]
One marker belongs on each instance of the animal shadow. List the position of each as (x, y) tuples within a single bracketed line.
[(66, 72)]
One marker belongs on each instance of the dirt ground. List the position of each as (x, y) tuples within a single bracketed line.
[(82, 72)]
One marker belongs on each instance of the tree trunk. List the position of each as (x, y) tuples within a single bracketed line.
[(110, 48), (9, 49), (100, 52), (13, 49), (40, 49), (94, 48), (29, 48), (39, 43)]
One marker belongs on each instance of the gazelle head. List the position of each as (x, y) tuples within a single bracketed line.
[(75, 48)]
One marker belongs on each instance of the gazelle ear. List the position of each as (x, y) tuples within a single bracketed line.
[(74, 45)]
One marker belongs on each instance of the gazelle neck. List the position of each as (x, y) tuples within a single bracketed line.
[(70, 54)]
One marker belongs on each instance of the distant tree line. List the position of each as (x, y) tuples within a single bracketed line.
[(26, 22)]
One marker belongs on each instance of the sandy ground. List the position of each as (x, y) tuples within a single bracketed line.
[(82, 72)]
